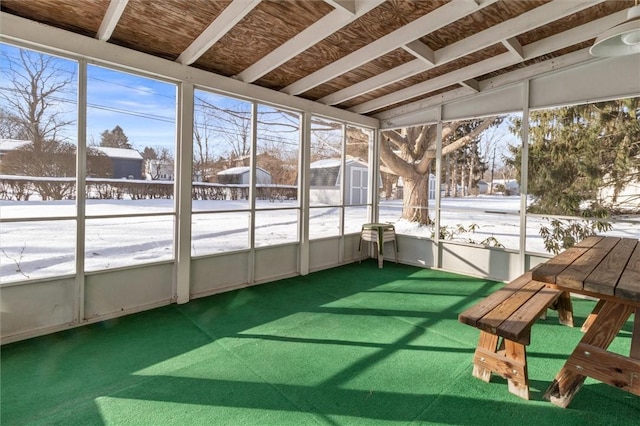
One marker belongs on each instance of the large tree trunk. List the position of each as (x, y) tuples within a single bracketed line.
[(416, 199)]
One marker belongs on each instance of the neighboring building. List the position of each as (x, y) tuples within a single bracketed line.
[(125, 163), (241, 176), (159, 170), (483, 187), (509, 186), (7, 145), (325, 181)]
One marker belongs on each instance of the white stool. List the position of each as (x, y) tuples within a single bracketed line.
[(379, 233)]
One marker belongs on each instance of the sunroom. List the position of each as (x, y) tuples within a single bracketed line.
[(526, 120)]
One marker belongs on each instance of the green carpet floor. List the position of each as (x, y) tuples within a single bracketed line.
[(354, 345)]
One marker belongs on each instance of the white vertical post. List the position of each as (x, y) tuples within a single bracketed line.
[(346, 198), (81, 174), (374, 176), (184, 159), (303, 191), (252, 193), (524, 175), (436, 255)]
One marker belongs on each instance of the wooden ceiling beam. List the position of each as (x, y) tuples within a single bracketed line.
[(503, 31), (421, 51), (533, 50), (433, 21), (111, 18), (313, 34), (230, 16), (472, 84), (348, 5), (514, 46)]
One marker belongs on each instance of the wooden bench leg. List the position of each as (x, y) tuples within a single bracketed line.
[(509, 360), (518, 377), (488, 343)]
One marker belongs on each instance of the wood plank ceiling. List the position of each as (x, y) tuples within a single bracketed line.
[(366, 56)]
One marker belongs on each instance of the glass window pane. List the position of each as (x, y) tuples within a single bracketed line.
[(583, 179), (357, 164), (131, 138), (127, 241), (277, 156), (39, 249), (276, 227), (324, 222), (354, 217), (408, 194), (38, 99), (326, 162), (219, 232), (221, 151)]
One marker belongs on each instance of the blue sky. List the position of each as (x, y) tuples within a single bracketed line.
[(144, 108)]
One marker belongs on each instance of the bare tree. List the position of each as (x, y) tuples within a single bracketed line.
[(410, 153), (33, 91), (33, 99)]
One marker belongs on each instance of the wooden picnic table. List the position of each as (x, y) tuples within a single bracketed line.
[(608, 269)]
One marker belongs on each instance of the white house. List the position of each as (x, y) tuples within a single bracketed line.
[(159, 170)]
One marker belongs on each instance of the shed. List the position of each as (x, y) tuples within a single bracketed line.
[(241, 176), (125, 163), (325, 181), (432, 187)]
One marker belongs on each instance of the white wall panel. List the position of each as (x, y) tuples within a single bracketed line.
[(29, 307), (215, 274), (114, 292), (415, 251), (483, 262), (324, 254), (272, 263), (351, 244)]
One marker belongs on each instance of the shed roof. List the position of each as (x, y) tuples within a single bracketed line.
[(131, 154)]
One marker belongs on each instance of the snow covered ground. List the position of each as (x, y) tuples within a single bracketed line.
[(41, 248)]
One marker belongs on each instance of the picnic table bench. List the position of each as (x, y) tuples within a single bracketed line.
[(504, 319)]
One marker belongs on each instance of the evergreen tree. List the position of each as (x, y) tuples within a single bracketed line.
[(576, 151), (115, 139)]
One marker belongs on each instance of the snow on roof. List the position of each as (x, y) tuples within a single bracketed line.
[(239, 170), (335, 162), (235, 170), (119, 152), (328, 162), (11, 144)]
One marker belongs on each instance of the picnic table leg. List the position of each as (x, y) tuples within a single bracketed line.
[(565, 309), (604, 329), (635, 337), (592, 316)]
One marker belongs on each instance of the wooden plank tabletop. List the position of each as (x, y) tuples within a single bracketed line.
[(629, 284), (607, 266)]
